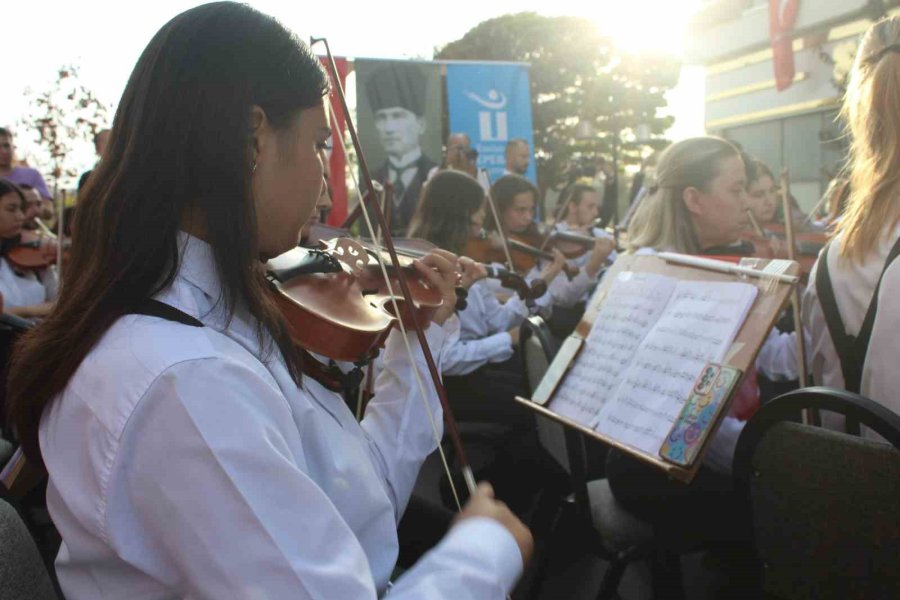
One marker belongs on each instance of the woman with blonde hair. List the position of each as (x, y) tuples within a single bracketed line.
[(851, 311), (697, 204)]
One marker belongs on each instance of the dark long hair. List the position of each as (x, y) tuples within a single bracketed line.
[(449, 200), (504, 190), (8, 187), (180, 148)]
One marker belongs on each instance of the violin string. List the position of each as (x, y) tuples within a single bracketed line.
[(418, 377)]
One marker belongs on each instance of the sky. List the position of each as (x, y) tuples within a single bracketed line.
[(105, 39)]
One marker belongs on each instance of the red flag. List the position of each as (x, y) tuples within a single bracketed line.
[(338, 162), (782, 16)]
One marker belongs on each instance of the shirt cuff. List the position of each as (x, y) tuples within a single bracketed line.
[(489, 545)]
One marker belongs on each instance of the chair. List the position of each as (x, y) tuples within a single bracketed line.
[(23, 575), (824, 503), (607, 529)]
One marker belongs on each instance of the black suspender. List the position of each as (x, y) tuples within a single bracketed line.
[(155, 308), (851, 350)]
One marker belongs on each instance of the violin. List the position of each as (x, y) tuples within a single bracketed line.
[(35, 251), (759, 244), (418, 248), (525, 255), (336, 302)]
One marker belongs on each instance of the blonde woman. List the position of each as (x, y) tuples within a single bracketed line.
[(867, 235), (697, 206)]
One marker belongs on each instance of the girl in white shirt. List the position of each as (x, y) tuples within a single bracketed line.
[(27, 293), (869, 229), (187, 456), (516, 198), (451, 212)]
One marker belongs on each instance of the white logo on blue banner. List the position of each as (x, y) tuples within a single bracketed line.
[(491, 102)]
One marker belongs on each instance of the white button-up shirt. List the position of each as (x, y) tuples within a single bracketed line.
[(185, 463), (854, 284), (25, 288), (483, 331)]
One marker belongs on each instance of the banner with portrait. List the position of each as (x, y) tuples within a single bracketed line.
[(491, 102), (399, 115)]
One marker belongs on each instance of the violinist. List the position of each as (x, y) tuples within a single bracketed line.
[(483, 370), (582, 207), (452, 210), (33, 207), (187, 457), (516, 198), (27, 292), (698, 206)]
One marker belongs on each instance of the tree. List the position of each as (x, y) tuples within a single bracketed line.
[(63, 118), (588, 99)]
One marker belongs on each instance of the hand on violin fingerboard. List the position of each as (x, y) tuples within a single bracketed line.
[(603, 247), (470, 271), (441, 268), (554, 269)]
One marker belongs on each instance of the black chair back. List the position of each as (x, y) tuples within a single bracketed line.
[(824, 503)]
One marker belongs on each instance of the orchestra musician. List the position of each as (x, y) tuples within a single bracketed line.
[(858, 260), (452, 211), (582, 207), (516, 198), (482, 368), (187, 457), (28, 292), (698, 206)]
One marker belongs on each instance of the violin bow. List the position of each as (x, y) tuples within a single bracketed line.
[(496, 216), (450, 421), (810, 416)]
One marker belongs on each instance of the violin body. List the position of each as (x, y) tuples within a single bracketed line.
[(336, 302), (33, 252)]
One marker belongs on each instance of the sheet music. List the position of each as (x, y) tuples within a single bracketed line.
[(634, 303), (697, 326)]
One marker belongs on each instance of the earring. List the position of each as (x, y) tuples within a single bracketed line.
[(253, 168)]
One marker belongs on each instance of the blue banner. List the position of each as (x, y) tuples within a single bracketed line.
[(492, 104)]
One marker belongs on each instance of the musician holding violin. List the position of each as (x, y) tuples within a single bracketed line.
[(698, 206), (516, 198), (580, 210), (187, 457), (28, 282), (453, 210)]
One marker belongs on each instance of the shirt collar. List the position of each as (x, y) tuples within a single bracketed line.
[(406, 161), (198, 265)]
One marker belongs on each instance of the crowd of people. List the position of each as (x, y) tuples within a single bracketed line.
[(193, 450)]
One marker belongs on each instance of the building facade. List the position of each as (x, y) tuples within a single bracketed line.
[(799, 127)]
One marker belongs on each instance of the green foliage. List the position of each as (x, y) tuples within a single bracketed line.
[(63, 118), (588, 99)]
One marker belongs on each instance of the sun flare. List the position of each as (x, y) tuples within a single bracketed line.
[(646, 26)]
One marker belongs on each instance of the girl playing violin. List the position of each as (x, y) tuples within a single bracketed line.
[(452, 211), (186, 455), (483, 373), (27, 292), (516, 198)]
